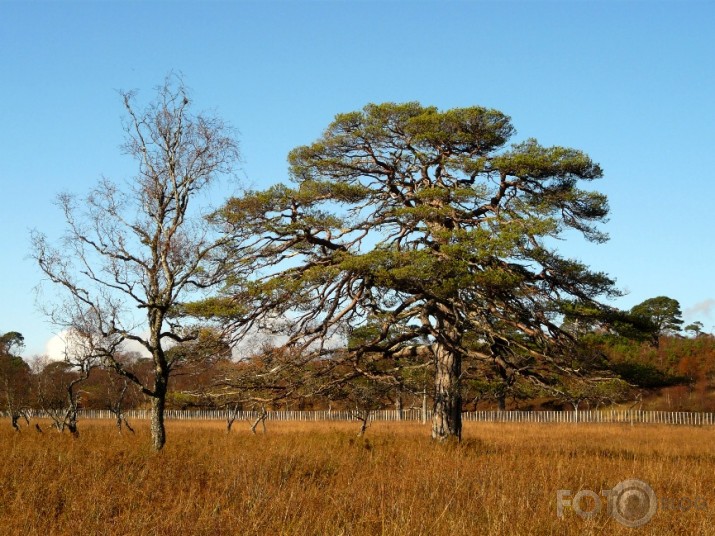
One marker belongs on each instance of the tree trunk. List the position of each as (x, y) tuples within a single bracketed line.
[(72, 426), (424, 406), (261, 419), (231, 416), (447, 419), (70, 418), (158, 431), (14, 417), (364, 417), (501, 398)]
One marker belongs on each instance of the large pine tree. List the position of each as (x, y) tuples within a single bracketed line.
[(427, 224)]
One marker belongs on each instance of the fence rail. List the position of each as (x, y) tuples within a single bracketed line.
[(591, 416)]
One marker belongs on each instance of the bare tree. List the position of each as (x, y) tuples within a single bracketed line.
[(605, 391), (255, 382), (118, 392), (58, 384), (132, 254), (58, 393), (365, 396)]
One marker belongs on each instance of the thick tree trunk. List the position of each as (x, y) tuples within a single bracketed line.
[(158, 431), (447, 419)]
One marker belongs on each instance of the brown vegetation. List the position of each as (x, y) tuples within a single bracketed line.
[(319, 478), (679, 374)]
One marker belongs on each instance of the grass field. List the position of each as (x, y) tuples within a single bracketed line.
[(319, 478)]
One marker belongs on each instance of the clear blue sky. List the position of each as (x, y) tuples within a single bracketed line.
[(630, 83)]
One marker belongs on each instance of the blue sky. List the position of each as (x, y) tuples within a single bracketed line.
[(630, 83)]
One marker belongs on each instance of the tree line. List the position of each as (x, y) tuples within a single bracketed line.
[(677, 374)]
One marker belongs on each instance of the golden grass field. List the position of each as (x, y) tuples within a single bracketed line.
[(319, 478)]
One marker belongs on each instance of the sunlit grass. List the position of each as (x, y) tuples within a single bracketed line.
[(319, 478)]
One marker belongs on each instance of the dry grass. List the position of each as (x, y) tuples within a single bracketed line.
[(320, 479)]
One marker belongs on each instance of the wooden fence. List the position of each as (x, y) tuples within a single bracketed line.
[(416, 415)]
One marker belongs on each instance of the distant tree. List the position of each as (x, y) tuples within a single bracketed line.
[(143, 248), (201, 365), (11, 343), (696, 328), (606, 323), (14, 378), (428, 224), (662, 313), (119, 391), (604, 391), (256, 382), (491, 388), (58, 394), (362, 396), (105, 389), (196, 358), (84, 352)]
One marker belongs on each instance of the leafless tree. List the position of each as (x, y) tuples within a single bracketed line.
[(58, 384), (117, 391), (131, 254), (58, 395), (255, 382)]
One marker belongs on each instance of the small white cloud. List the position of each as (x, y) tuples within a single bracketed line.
[(133, 346), (701, 309), (56, 347)]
